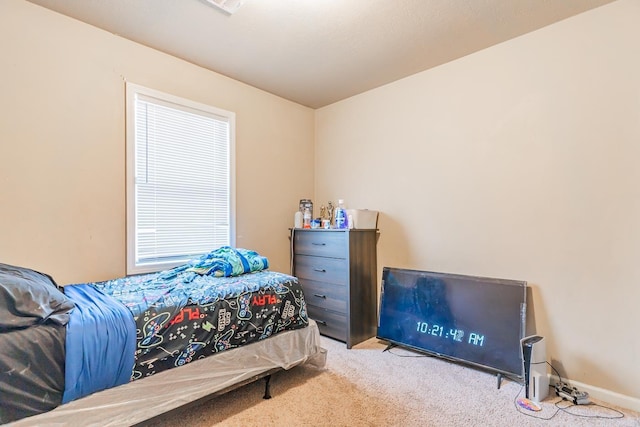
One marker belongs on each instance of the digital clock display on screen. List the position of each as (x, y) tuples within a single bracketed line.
[(472, 319)]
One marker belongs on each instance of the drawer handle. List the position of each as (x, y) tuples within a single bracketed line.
[(318, 244), (320, 270), (322, 322), (320, 296)]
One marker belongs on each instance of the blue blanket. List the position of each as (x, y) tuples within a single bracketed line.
[(100, 344), (222, 262)]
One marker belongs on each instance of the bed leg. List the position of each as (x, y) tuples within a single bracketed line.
[(267, 387)]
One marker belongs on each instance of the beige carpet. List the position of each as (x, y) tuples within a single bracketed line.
[(365, 386)]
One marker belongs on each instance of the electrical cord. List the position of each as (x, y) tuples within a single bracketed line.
[(515, 403), (617, 414), (556, 371)]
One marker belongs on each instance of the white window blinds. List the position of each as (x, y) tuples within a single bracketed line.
[(182, 204)]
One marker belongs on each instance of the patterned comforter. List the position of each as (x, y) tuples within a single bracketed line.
[(222, 300)]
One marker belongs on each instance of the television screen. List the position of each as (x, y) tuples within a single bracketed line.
[(476, 320)]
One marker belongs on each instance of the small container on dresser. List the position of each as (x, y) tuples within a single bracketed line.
[(337, 269)]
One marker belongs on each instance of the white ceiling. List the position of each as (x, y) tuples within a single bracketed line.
[(316, 52)]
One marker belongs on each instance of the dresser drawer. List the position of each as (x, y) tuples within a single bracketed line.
[(323, 295), (331, 324), (330, 270), (321, 243)]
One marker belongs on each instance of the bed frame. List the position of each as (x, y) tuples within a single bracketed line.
[(267, 395), (143, 401)]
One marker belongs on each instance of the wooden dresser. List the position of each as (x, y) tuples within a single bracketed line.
[(338, 273)]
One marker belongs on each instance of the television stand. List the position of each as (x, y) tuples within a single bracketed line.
[(390, 346)]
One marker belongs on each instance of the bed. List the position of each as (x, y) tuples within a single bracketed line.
[(107, 349)]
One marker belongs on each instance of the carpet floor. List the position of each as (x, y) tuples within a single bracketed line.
[(366, 386)]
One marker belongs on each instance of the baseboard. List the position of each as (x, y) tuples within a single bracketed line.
[(602, 394)]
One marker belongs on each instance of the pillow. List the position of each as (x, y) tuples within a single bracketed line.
[(29, 298)]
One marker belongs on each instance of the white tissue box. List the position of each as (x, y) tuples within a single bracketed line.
[(363, 218)]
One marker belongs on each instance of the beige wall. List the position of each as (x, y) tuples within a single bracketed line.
[(519, 162), (62, 145)]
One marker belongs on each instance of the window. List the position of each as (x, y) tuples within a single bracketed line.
[(180, 179)]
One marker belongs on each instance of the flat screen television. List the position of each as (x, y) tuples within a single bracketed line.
[(476, 320)]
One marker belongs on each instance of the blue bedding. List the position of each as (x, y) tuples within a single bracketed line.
[(100, 343)]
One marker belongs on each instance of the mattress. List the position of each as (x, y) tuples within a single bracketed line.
[(179, 319), (165, 321)]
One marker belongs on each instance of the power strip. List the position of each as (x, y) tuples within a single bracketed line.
[(572, 394)]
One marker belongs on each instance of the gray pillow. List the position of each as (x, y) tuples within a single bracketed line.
[(29, 298)]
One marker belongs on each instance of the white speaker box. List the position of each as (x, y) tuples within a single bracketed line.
[(534, 358)]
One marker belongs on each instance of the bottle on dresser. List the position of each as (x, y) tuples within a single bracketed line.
[(297, 220), (306, 218), (341, 220)]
